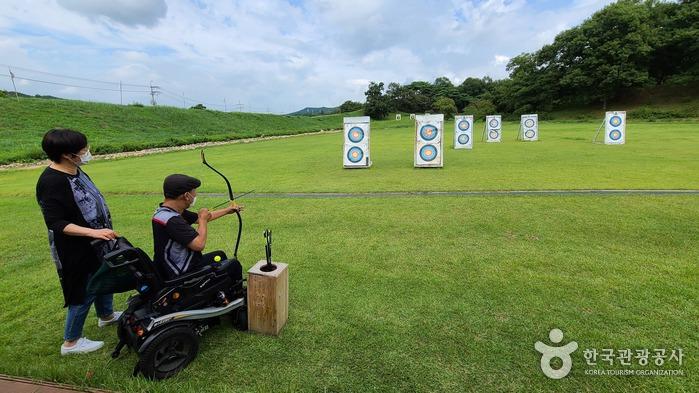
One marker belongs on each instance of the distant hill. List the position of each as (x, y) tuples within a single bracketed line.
[(308, 111)]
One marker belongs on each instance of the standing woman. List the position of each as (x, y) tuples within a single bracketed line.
[(75, 214)]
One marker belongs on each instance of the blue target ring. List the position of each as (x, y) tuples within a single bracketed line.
[(494, 134), (428, 132), (463, 139), (494, 123), (355, 134), (615, 121), (355, 154), (529, 123), (428, 153), (464, 125), (529, 133), (615, 135)]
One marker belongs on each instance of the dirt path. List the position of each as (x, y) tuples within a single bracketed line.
[(157, 150)]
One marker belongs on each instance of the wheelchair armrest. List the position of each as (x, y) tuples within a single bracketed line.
[(189, 276)]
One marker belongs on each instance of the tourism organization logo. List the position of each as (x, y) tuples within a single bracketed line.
[(549, 353), (633, 362)]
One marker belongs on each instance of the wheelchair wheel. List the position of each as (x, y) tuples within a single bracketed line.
[(240, 318), (169, 353)]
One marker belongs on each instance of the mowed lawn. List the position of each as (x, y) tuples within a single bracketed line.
[(404, 293), (657, 155)]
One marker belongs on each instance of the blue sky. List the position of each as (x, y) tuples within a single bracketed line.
[(269, 55)]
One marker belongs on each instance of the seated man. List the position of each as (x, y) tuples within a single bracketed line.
[(177, 244)]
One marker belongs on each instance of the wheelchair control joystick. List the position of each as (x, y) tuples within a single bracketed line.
[(268, 252)]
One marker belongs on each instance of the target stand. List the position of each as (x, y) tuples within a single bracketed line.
[(528, 128), (429, 141), (492, 129), (614, 124), (355, 149)]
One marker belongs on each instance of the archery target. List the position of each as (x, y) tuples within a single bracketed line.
[(428, 153), (412, 116), (356, 142), (493, 128), (355, 134), (428, 140), (428, 132), (615, 128), (463, 132), (529, 125), (398, 116)]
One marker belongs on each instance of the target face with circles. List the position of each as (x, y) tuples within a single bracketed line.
[(428, 132), (463, 139), (529, 133), (615, 121), (494, 123), (493, 134), (529, 123), (355, 134), (428, 153), (355, 154), (464, 125), (615, 135)]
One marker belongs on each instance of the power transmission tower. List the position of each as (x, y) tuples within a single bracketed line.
[(12, 76), (153, 92)]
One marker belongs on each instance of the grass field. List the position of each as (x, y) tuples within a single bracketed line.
[(405, 293), (115, 128)]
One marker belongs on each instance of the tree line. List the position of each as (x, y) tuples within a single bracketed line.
[(628, 44)]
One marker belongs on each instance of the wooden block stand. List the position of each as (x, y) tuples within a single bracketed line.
[(268, 298)]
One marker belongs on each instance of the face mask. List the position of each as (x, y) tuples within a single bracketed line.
[(194, 200), (84, 158)]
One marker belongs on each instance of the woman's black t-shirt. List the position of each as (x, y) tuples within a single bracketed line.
[(71, 199)]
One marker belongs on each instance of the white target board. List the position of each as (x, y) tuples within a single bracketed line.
[(398, 116), (463, 132), (429, 141), (615, 128), (493, 128), (529, 125), (356, 142), (412, 116)]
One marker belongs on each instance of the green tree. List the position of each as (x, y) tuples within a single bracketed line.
[(350, 106), (376, 102), (446, 106), (480, 108)]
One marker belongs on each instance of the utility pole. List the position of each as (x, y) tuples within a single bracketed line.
[(225, 107), (240, 106), (153, 92), (12, 76), (184, 103), (121, 94)]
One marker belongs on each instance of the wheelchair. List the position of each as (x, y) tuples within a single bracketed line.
[(163, 321)]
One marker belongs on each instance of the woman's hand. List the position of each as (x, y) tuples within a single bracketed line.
[(104, 234)]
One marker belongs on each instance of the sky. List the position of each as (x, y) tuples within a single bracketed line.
[(266, 55)]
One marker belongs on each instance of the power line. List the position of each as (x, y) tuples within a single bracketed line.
[(77, 86), (71, 77)]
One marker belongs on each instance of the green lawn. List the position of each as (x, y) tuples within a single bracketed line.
[(657, 155), (405, 293)]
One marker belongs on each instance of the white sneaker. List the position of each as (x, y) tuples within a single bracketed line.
[(83, 345), (115, 317)]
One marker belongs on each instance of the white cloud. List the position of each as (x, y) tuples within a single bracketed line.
[(270, 52), (500, 59)]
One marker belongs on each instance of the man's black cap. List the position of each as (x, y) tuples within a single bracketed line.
[(177, 184)]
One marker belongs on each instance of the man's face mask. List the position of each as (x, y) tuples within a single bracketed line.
[(194, 200)]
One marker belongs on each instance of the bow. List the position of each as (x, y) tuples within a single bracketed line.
[(231, 198)]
